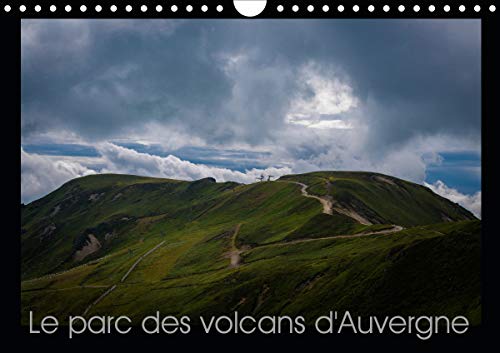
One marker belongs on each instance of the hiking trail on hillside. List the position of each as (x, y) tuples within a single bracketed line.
[(112, 288), (329, 205), (235, 253)]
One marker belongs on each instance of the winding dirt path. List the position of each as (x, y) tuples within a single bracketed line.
[(394, 229), (234, 254), (327, 204)]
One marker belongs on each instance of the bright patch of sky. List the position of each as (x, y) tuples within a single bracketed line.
[(460, 170)]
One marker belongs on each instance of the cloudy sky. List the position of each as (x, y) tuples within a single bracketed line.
[(233, 99)]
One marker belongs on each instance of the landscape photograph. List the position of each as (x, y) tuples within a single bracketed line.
[(264, 167)]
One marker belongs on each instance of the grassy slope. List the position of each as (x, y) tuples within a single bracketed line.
[(383, 199), (438, 265), (190, 272), (132, 210), (122, 210)]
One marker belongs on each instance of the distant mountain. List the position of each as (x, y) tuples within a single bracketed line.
[(366, 242)]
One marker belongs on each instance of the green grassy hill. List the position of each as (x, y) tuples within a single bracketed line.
[(210, 248), (383, 199)]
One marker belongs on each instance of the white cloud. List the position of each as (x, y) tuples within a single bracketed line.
[(41, 174), (311, 106), (470, 202), (321, 95), (346, 149), (319, 124), (127, 161)]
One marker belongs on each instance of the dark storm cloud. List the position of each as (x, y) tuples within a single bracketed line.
[(237, 99), (100, 79), (424, 76), (107, 76)]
